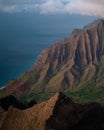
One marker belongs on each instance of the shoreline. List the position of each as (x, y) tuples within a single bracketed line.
[(2, 87)]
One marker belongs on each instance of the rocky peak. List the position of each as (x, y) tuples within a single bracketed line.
[(94, 24), (65, 64)]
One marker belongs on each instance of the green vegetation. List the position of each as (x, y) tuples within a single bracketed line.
[(88, 94), (84, 95), (37, 97), (86, 91)]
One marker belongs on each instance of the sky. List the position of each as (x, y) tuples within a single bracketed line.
[(81, 7)]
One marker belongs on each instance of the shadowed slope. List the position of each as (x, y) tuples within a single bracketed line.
[(8, 101)]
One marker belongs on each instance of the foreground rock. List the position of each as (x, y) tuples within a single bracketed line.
[(58, 113)]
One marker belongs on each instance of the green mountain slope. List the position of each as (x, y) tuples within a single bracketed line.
[(74, 65)]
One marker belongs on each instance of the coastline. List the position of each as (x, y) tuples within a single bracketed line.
[(2, 87)]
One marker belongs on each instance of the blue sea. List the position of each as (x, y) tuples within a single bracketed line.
[(24, 35)]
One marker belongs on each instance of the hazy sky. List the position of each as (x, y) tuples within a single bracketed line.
[(82, 7)]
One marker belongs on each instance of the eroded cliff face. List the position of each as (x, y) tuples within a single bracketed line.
[(58, 113), (66, 64), (33, 118)]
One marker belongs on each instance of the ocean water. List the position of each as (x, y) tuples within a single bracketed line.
[(24, 35)]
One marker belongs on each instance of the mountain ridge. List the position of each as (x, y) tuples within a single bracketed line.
[(66, 65)]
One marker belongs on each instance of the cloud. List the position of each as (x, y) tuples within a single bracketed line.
[(82, 7), (11, 6), (51, 6), (86, 7)]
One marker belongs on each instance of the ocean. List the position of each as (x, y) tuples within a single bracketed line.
[(24, 35)]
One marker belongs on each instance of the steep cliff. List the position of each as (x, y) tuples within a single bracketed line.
[(67, 65)]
